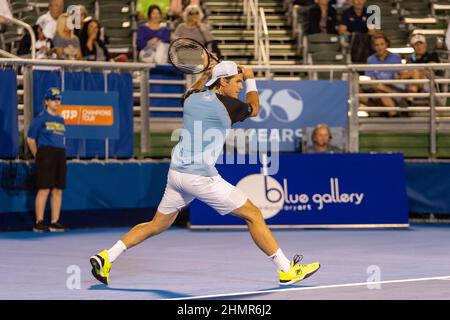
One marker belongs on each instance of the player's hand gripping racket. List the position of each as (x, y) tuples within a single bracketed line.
[(190, 56)]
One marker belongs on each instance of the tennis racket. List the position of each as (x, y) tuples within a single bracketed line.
[(190, 56)]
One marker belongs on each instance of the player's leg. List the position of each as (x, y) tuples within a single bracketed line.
[(261, 234), (226, 198), (289, 272), (173, 200), (143, 231)]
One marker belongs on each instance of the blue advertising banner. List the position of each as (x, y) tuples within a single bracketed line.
[(9, 131), (84, 82), (318, 190), (286, 107), (90, 115)]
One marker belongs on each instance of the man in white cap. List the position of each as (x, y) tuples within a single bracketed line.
[(192, 173), (420, 55)]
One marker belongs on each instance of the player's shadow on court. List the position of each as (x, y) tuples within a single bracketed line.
[(160, 293)]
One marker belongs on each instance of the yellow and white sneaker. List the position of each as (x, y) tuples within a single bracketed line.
[(101, 266), (297, 272)]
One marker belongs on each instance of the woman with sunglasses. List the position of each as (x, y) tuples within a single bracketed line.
[(193, 28)]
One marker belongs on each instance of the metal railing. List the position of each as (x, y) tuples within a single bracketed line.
[(256, 19), (432, 117), (26, 27), (64, 65)]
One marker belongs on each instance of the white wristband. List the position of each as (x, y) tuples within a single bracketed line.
[(250, 85)]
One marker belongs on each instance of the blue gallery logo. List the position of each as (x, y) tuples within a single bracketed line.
[(271, 197)]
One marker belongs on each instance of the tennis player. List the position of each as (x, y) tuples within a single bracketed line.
[(193, 174)]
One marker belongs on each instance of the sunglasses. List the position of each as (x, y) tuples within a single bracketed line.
[(193, 13)]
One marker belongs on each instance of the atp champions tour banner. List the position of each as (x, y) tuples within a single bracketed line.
[(318, 190), (286, 107), (90, 114)]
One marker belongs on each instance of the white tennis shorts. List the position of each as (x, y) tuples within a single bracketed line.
[(182, 188)]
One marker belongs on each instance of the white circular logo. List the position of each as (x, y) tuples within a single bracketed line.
[(265, 192), (287, 105)]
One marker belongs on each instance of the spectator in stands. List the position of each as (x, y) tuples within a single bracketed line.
[(44, 46), (322, 18), (48, 20), (380, 44), (142, 7), (177, 7), (66, 43), (92, 47), (83, 19), (5, 10), (321, 137), (353, 28), (354, 19), (420, 55), (153, 38), (193, 28)]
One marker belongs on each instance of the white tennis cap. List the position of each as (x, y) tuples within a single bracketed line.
[(417, 38), (222, 70)]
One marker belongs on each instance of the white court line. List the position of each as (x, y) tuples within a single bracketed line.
[(311, 288)]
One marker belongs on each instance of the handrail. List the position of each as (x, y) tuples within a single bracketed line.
[(264, 43), (8, 54), (79, 63), (28, 28)]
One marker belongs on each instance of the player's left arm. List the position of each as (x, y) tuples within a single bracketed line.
[(252, 96)]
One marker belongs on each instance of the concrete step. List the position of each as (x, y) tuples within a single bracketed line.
[(268, 11), (246, 32), (240, 17), (250, 53), (249, 38), (243, 47), (230, 23)]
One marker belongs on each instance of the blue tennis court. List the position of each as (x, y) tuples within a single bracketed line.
[(183, 264)]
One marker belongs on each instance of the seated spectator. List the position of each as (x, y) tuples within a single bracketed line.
[(447, 38), (44, 46), (420, 55), (67, 44), (321, 137), (380, 44), (48, 20), (5, 10), (322, 18), (193, 28), (142, 7), (92, 47), (153, 38), (178, 6), (353, 25)]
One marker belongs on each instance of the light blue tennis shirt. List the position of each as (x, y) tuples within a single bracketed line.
[(207, 118)]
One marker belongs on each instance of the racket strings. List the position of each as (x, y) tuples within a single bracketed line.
[(188, 56)]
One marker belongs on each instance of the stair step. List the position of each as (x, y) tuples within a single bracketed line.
[(237, 2), (247, 32), (273, 47), (240, 17), (250, 38), (268, 11), (243, 24), (251, 54)]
